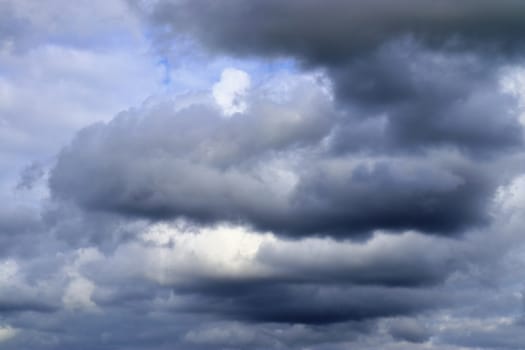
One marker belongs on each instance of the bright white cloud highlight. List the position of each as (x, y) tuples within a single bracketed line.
[(78, 294), (230, 91), (6, 333)]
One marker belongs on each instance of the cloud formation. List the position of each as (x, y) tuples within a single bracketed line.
[(341, 28), (399, 149), (272, 167), (303, 175)]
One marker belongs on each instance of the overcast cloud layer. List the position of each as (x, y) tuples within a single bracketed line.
[(262, 174)]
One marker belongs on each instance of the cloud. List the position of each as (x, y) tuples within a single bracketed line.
[(342, 28), (273, 167), (230, 90), (411, 141), (27, 25), (16, 294), (424, 77), (355, 182), (410, 330), (267, 279)]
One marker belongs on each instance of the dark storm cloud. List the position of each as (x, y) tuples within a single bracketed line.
[(196, 165), (406, 98), (274, 300), (13, 305), (380, 60), (419, 138), (414, 140), (341, 282), (331, 31), (399, 103), (407, 261), (435, 198), (312, 304)]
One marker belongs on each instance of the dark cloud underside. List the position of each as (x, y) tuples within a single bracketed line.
[(401, 102), (366, 197)]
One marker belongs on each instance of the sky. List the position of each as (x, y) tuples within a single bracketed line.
[(262, 174)]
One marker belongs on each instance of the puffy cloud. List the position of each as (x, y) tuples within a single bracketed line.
[(230, 90), (343, 279), (426, 76), (16, 294), (272, 167), (411, 141), (408, 329), (354, 183), (342, 28)]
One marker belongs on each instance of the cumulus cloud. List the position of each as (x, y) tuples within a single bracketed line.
[(400, 148), (229, 91), (342, 174), (273, 167)]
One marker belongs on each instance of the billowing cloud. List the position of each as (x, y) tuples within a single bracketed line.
[(334, 30), (399, 148), (262, 174), (272, 167), (230, 90)]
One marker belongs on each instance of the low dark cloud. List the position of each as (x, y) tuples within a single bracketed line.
[(30, 175), (380, 157), (283, 283), (19, 225), (14, 306), (193, 164), (409, 261), (383, 59), (365, 198), (407, 98), (312, 304), (342, 28)]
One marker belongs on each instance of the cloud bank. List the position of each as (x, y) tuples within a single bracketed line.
[(262, 174)]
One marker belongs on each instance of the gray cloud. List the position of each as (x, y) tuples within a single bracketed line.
[(30, 175), (341, 28), (266, 169), (393, 215), (382, 59), (313, 304), (406, 98), (401, 106), (282, 282), (411, 330)]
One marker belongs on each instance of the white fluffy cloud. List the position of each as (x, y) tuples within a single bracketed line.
[(229, 92)]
